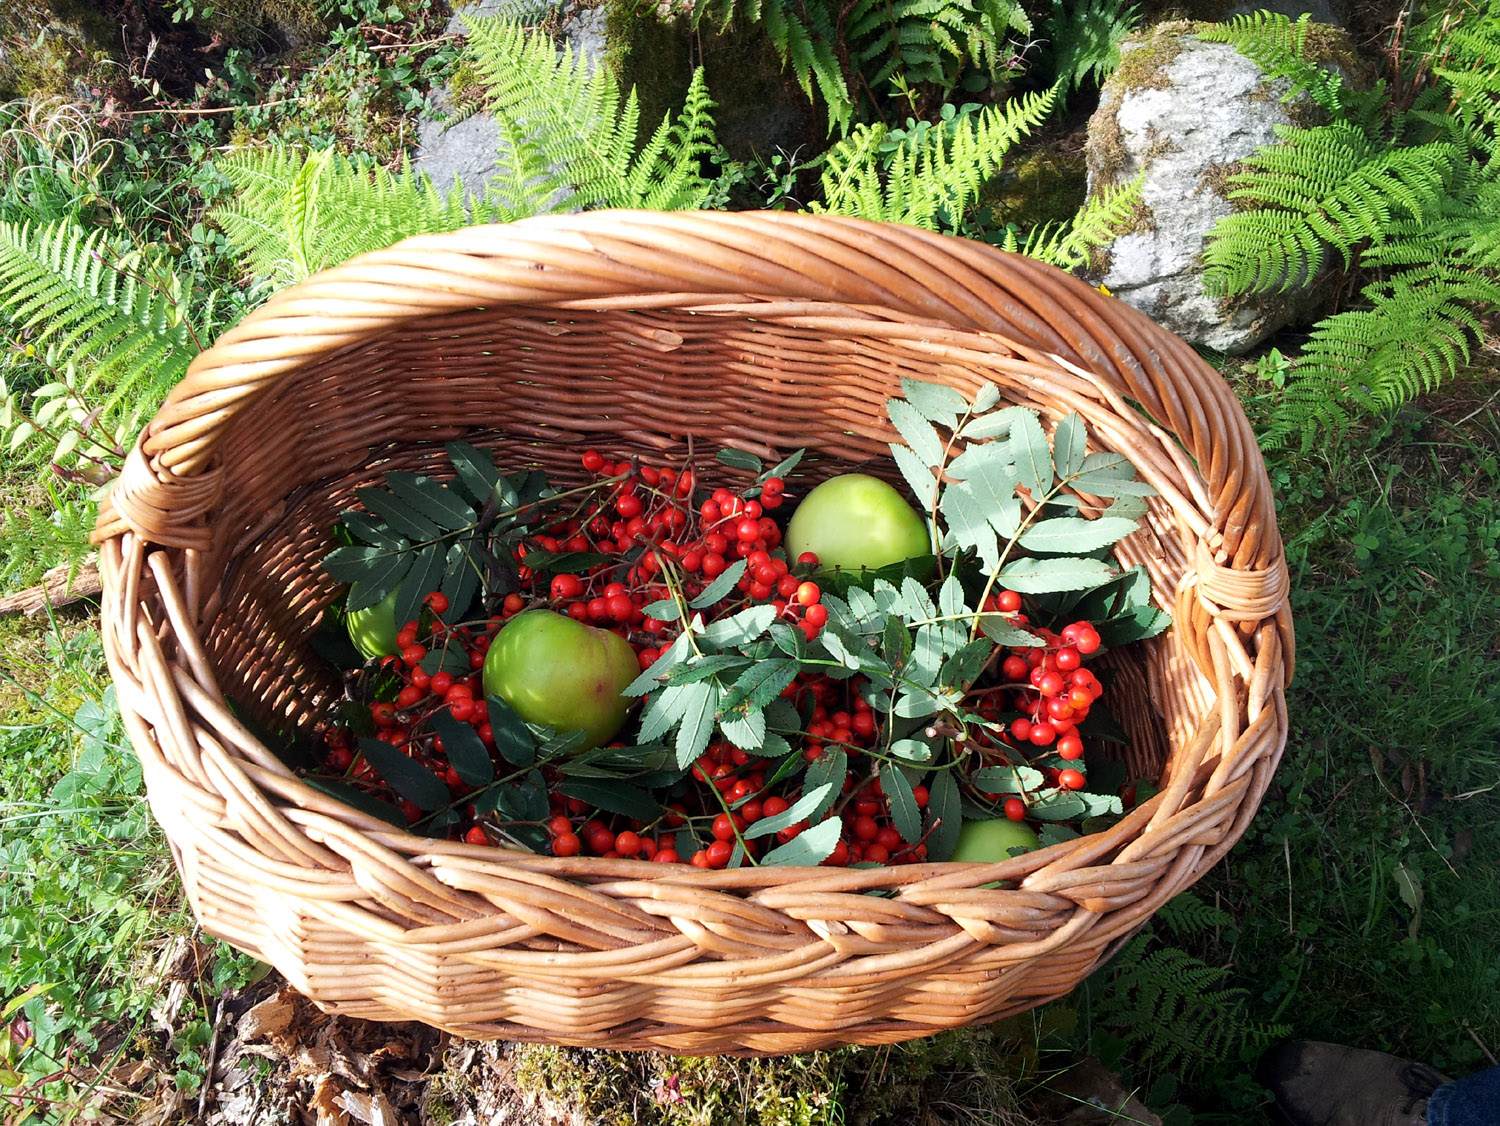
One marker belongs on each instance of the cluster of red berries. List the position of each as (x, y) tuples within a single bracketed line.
[(653, 543)]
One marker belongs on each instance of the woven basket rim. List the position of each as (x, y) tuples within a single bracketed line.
[(926, 291)]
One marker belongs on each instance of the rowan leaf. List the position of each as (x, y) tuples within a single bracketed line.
[(1073, 535), (407, 777), (721, 586), (739, 459), (986, 397), (701, 668), (700, 703), (1028, 445), (1003, 631), (912, 750), (425, 576), (474, 470), (915, 431), (664, 711), (919, 476), (944, 815), (373, 588), (353, 562), (830, 769), (969, 526), (460, 581), (613, 796), (1044, 576), (936, 402), (513, 739), (761, 683), (740, 629), (432, 500), (994, 424), (811, 846), (1069, 442), (1007, 779), (746, 729), (466, 754), (980, 454), (905, 814), (812, 799)]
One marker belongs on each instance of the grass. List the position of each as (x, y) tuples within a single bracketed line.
[(1365, 898)]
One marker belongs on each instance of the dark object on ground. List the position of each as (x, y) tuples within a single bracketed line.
[(1317, 1084)]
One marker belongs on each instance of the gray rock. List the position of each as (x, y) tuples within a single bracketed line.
[(1185, 112)]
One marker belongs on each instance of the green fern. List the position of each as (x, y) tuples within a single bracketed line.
[(101, 332), (887, 45), (1174, 1011), (566, 127), (933, 178), (294, 214), (1113, 211), (40, 537), (1084, 40), (1408, 198)]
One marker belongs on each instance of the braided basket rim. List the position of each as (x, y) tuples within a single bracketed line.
[(644, 940)]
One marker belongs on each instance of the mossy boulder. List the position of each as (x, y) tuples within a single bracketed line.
[(1182, 113)]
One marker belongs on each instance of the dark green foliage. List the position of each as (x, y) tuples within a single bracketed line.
[(1084, 40), (1403, 191), (881, 48), (1174, 1011)]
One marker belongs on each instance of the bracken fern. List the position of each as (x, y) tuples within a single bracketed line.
[(932, 179), (1407, 196), (570, 140)]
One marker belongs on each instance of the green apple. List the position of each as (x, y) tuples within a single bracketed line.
[(981, 842), (854, 521), (373, 629), (554, 670)]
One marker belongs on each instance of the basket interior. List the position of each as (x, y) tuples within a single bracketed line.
[(538, 385)]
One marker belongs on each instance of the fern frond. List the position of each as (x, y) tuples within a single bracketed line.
[(1174, 1011), (1098, 223), (1279, 47), (576, 126), (933, 178), (38, 538), (1417, 333), (1321, 188), (804, 44), (294, 214), (1084, 39), (108, 314)]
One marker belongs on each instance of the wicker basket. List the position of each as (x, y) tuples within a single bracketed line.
[(638, 332)]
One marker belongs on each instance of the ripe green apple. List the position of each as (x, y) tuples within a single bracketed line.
[(854, 521), (554, 670), (982, 842), (373, 629)]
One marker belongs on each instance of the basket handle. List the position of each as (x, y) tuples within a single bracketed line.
[(170, 481)]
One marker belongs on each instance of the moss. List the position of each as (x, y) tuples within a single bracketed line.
[(759, 107), (1216, 177), (1143, 61), (1104, 150), (971, 1074), (53, 47), (1045, 186)]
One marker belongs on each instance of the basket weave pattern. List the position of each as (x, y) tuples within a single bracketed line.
[(650, 333)]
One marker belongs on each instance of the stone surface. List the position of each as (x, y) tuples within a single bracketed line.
[(1185, 112), (463, 151)]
